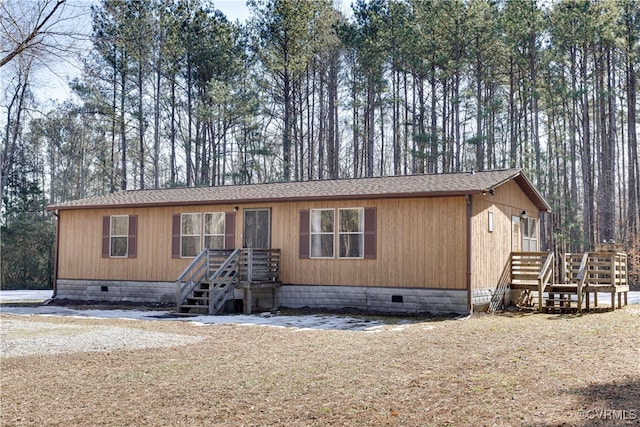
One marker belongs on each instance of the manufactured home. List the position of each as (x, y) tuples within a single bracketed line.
[(405, 244)]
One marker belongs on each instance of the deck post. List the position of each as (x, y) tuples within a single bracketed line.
[(613, 300), (247, 300), (587, 301), (540, 298), (619, 299)]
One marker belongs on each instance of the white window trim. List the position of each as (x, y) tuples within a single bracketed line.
[(111, 236), (322, 233), (490, 223), (340, 233), (182, 215), (204, 228), (202, 235), (529, 237)]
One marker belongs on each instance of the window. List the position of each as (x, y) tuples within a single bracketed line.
[(351, 233), (516, 238), (190, 234), (322, 233), (214, 230), (529, 234), (119, 236), (490, 221)]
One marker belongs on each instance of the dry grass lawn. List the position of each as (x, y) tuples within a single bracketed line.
[(504, 370)]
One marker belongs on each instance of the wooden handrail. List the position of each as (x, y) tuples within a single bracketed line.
[(224, 275), (544, 277), (198, 270), (201, 256), (582, 277), (191, 276)]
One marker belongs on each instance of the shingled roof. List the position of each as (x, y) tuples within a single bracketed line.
[(435, 185)]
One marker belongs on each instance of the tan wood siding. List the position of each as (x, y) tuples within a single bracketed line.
[(491, 250), (80, 252), (421, 242)]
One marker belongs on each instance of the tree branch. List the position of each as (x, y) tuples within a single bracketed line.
[(25, 43)]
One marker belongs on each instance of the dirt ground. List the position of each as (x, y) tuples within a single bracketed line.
[(514, 369)]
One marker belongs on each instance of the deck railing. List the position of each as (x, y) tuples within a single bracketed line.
[(223, 270), (545, 278), (222, 281), (526, 266), (259, 265), (191, 276), (582, 278), (582, 274)]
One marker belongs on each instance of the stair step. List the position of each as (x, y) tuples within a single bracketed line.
[(193, 306)]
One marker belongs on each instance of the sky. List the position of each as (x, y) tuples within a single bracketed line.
[(233, 9), (51, 85)]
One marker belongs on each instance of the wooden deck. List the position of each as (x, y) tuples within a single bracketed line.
[(583, 276)]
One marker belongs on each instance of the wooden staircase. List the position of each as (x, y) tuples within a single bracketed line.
[(209, 282)]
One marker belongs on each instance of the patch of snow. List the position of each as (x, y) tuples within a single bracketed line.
[(300, 322), (25, 295)]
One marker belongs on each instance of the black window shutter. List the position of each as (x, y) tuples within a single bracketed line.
[(175, 236), (370, 244), (303, 241), (229, 230), (132, 250), (106, 234)]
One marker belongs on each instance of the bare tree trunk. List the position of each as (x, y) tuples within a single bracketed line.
[(395, 78), (114, 106), (632, 166), (156, 125), (433, 133), (321, 121), (573, 152), (172, 136), (370, 123), (123, 134), (587, 174), (12, 130), (382, 158), (479, 113), (187, 146), (533, 94), (141, 126), (286, 137), (608, 158), (332, 140)]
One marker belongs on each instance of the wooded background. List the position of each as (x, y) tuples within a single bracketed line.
[(174, 94)]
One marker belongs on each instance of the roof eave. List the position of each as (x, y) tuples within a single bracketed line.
[(430, 194), (527, 187)]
